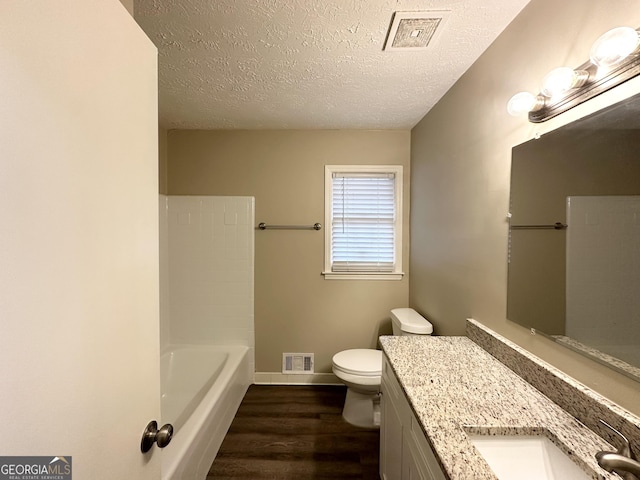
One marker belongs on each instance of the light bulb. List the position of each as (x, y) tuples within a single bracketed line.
[(614, 46), (524, 102), (562, 79)]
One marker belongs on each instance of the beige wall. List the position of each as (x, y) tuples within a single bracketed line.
[(461, 154), (296, 310), (128, 4)]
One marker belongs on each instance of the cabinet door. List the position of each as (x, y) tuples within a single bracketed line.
[(411, 467), (424, 459), (405, 453), (390, 437)]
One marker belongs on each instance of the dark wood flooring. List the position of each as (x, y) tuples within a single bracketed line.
[(295, 432)]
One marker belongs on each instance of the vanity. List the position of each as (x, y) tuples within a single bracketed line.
[(405, 452), (439, 393), (573, 276)]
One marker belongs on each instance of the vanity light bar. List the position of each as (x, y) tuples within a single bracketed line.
[(614, 59)]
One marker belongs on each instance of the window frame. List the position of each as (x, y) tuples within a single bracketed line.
[(397, 171)]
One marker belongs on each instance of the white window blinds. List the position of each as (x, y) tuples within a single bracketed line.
[(363, 222)]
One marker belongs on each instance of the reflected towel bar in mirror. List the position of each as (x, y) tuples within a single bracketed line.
[(555, 226), (264, 226)]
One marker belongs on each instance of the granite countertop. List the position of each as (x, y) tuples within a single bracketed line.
[(455, 387)]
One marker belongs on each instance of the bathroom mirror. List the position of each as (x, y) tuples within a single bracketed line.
[(574, 236)]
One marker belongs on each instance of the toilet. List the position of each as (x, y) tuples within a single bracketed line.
[(360, 370)]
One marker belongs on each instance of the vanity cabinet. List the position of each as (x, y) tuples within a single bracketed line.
[(405, 453)]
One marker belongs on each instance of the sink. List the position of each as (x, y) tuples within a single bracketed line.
[(526, 457)]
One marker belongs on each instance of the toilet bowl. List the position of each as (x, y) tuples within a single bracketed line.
[(360, 370)]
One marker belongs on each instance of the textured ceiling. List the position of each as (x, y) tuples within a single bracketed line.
[(308, 64)]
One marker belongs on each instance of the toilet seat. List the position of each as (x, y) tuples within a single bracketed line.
[(361, 362)]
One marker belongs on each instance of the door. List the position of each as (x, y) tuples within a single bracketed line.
[(78, 236)]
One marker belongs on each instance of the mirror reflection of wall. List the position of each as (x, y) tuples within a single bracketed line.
[(599, 156)]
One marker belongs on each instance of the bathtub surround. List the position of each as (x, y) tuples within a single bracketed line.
[(206, 317), (580, 401), (208, 270)]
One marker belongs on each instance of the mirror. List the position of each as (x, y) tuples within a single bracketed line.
[(574, 237)]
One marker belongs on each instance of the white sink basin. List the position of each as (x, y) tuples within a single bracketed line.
[(526, 457)]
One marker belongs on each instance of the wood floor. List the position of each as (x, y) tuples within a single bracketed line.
[(295, 432)]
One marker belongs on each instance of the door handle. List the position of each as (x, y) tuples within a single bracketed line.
[(151, 434)]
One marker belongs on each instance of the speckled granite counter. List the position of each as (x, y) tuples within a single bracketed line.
[(455, 387)]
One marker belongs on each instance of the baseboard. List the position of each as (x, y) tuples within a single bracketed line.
[(278, 378)]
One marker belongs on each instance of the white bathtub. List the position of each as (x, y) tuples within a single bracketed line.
[(202, 387)]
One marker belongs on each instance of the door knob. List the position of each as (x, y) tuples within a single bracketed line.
[(151, 434)]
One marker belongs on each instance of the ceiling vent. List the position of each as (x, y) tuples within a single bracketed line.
[(414, 30)]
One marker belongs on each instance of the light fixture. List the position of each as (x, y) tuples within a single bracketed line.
[(561, 80), (614, 59), (614, 46), (524, 102)]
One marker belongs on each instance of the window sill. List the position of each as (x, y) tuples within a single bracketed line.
[(362, 276)]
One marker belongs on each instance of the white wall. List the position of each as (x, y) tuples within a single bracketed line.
[(79, 238), (209, 261)]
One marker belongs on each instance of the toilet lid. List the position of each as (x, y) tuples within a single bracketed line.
[(411, 321), (359, 361)]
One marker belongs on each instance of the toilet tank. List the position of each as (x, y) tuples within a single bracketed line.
[(406, 321)]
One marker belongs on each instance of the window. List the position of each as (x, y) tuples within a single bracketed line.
[(363, 218)]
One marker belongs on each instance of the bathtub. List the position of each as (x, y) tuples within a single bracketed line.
[(202, 387)]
